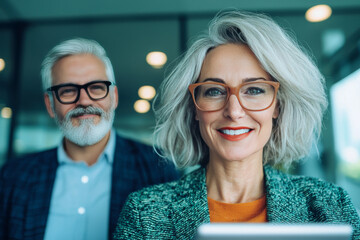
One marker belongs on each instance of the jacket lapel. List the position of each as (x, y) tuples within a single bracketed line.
[(38, 205), (123, 180), (191, 209), (283, 205)]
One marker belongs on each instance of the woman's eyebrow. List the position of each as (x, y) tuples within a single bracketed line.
[(254, 79), (219, 80)]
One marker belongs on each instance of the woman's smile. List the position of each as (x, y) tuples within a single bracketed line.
[(234, 134)]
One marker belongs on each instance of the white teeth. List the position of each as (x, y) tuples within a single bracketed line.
[(235, 132)]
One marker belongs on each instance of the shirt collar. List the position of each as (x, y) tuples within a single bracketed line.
[(107, 154)]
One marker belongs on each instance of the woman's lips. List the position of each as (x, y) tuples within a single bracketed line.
[(234, 134)]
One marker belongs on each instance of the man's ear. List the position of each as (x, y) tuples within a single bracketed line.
[(48, 105), (116, 96)]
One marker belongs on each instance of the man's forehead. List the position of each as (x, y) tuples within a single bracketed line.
[(78, 69), (71, 58)]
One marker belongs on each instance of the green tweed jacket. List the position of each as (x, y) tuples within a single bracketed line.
[(175, 210)]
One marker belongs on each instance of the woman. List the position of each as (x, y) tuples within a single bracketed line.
[(244, 98)]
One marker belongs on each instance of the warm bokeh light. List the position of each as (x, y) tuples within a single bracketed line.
[(318, 13), (156, 59), (2, 64), (142, 106), (147, 92), (6, 112)]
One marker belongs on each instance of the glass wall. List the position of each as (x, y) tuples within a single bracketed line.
[(6, 68), (345, 103)]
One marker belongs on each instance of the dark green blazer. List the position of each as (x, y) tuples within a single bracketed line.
[(175, 210)]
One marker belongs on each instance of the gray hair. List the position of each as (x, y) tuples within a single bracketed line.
[(73, 47), (301, 96)]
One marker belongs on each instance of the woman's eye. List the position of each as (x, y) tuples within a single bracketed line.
[(254, 91), (213, 92)]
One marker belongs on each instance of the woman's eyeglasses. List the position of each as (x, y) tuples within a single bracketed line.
[(252, 96)]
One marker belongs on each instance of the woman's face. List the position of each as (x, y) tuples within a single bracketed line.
[(233, 64)]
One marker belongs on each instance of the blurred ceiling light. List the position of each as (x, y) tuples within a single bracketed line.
[(147, 92), (156, 59), (332, 40), (318, 13), (2, 64), (142, 106), (6, 112)]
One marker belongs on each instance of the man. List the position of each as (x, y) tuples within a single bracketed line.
[(77, 190)]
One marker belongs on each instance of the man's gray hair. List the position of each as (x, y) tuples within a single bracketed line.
[(74, 47)]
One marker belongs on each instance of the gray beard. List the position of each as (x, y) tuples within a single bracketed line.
[(87, 133)]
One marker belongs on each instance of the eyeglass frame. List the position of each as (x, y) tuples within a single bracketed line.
[(233, 91), (79, 87)]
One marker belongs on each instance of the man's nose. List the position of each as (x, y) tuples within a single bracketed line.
[(84, 98)]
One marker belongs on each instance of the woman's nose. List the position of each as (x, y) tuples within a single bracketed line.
[(233, 108)]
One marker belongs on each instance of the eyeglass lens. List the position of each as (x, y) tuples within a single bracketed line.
[(253, 96), (69, 94)]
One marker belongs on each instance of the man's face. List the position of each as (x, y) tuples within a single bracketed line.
[(86, 121)]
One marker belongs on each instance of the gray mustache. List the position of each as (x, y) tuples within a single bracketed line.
[(82, 111)]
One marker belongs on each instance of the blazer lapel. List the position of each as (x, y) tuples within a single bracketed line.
[(42, 182), (123, 180), (282, 203), (191, 210)]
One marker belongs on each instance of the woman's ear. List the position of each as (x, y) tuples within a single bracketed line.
[(276, 110)]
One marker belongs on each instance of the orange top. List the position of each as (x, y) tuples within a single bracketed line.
[(238, 212)]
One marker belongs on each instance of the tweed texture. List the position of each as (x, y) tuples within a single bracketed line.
[(26, 186), (175, 210)]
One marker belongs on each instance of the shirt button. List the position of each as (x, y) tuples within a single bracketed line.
[(81, 210), (84, 179)]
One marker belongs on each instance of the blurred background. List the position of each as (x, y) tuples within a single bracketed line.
[(131, 29)]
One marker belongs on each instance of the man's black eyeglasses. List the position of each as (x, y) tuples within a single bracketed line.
[(70, 93)]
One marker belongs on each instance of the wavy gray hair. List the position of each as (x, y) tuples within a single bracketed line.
[(73, 47), (301, 96)]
